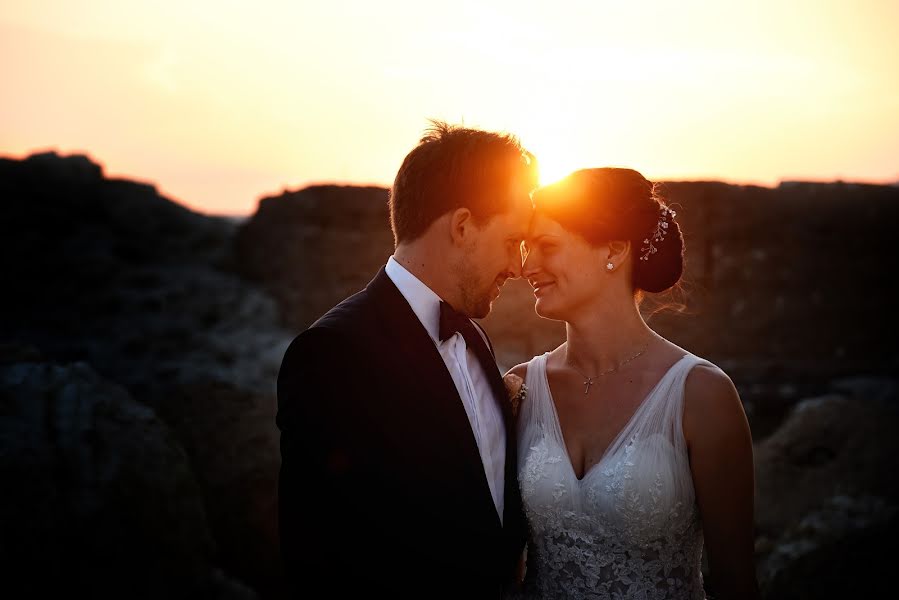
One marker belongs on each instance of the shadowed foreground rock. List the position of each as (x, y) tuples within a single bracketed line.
[(108, 273), (827, 507), (98, 495), (227, 433)]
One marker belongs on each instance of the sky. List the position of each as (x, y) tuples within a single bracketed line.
[(221, 102)]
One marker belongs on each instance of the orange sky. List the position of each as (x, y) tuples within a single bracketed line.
[(221, 102)]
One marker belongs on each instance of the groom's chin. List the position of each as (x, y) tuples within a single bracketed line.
[(482, 308), (482, 311)]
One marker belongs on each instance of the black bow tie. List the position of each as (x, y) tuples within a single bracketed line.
[(452, 321)]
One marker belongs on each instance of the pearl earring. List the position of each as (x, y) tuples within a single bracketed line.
[(610, 266)]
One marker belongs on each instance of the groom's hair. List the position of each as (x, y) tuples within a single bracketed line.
[(454, 167)]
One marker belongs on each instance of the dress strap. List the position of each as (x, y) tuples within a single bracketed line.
[(533, 411), (671, 409)]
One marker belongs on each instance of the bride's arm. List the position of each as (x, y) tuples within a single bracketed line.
[(720, 450)]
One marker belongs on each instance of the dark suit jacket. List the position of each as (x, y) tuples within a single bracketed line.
[(381, 488)]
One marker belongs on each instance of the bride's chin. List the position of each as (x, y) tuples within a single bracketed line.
[(545, 310)]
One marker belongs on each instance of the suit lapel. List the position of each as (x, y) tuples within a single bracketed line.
[(414, 351)]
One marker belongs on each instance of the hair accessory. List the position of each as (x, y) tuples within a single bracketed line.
[(658, 234)]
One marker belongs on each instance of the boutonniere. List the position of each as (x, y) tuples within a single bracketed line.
[(516, 389)]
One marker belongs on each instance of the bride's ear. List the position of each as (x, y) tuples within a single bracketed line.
[(619, 252)]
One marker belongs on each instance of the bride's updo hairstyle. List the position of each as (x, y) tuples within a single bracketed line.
[(607, 204)]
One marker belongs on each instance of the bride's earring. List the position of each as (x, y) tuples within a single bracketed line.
[(610, 266)]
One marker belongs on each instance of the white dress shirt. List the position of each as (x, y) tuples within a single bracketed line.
[(471, 382)]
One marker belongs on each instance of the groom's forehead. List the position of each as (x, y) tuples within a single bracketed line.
[(516, 218), (523, 208)]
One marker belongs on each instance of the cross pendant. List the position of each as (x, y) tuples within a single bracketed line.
[(587, 383)]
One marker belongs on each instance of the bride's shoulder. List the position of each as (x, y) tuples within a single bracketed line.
[(708, 381), (711, 401)]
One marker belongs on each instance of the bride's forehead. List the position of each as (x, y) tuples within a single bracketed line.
[(542, 225)]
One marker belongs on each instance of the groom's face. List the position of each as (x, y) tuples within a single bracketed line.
[(494, 256)]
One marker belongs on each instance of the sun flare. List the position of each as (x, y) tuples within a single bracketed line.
[(553, 167), (552, 138), (555, 159)]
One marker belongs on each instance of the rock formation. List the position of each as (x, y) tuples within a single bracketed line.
[(140, 344)]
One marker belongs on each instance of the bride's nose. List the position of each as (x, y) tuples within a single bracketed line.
[(529, 268)]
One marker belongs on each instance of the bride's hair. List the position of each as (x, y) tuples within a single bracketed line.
[(608, 204)]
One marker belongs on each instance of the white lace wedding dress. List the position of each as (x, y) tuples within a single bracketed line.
[(630, 528)]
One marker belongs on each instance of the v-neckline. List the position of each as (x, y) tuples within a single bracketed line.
[(618, 435)]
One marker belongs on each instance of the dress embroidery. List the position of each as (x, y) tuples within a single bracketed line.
[(630, 528)]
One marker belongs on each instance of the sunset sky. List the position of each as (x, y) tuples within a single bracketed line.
[(221, 102)]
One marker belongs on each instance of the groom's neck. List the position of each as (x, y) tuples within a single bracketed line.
[(429, 264)]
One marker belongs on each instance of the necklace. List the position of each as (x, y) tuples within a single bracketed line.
[(588, 381)]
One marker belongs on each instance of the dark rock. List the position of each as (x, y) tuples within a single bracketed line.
[(842, 550), (230, 437), (315, 247), (827, 499), (141, 288), (112, 274), (99, 498)]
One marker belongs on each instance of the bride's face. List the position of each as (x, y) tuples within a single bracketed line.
[(562, 267)]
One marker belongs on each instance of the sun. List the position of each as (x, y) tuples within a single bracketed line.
[(553, 166), (556, 158)]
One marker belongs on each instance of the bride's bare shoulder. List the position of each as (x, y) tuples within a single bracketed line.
[(712, 403)]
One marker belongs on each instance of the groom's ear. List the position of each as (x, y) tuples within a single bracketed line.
[(461, 226)]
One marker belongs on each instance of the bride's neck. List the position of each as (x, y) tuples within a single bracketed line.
[(605, 337)]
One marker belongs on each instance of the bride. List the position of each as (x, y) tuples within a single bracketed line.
[(632, 451)]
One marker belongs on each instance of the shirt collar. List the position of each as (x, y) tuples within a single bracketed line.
[(425, 303)]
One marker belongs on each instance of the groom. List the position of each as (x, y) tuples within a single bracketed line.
[(397, 443)]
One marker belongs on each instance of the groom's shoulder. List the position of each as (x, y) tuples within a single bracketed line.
[(349, 315), (346, 321)]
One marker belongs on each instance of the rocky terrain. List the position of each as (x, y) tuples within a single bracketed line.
[(110, 282), (140, 342)]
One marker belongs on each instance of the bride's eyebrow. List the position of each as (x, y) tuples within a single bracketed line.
[(540, 237)]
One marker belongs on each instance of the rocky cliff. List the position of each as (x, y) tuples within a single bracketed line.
[(140, 342)]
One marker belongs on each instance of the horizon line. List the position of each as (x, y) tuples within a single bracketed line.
[(311, 183)]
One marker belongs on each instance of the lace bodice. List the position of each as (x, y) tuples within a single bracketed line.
[(630, 527)]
